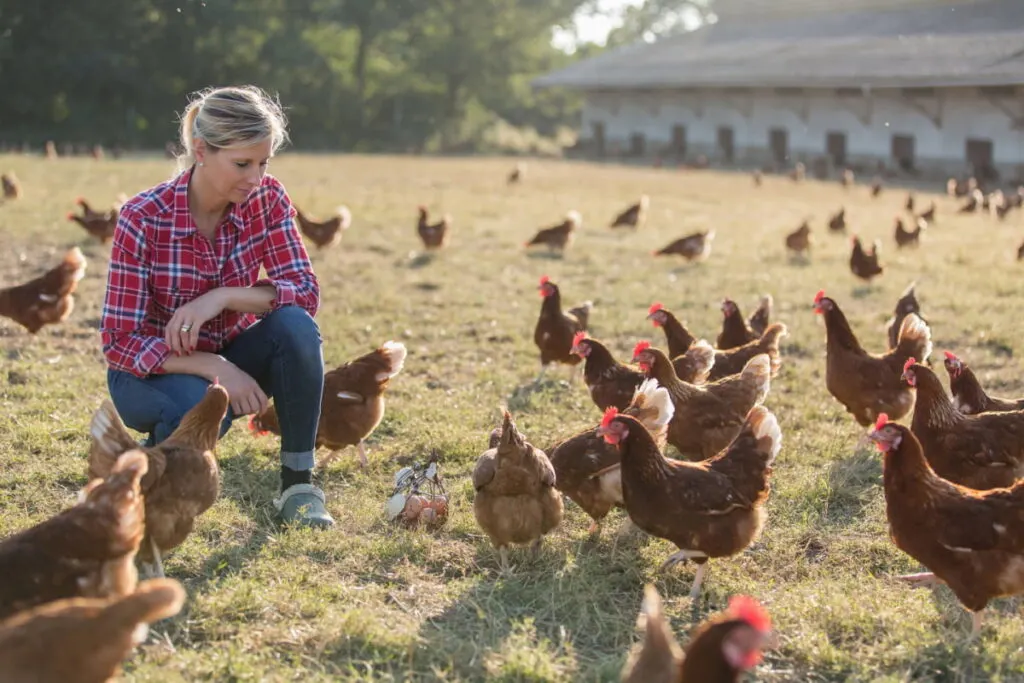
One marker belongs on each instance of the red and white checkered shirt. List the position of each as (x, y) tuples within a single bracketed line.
[(160, 262)]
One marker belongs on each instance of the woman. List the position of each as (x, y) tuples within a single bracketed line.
[(183, 303)]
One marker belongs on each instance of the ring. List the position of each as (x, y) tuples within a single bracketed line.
[(186, 327)]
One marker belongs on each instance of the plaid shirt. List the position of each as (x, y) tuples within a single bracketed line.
[(159, 262)]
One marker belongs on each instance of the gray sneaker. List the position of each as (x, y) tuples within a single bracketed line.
[(304, 504)]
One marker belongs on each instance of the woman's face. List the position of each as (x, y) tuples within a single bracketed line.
[(234, 173)]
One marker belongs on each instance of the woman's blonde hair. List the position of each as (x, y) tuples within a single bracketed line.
[(225, 118)]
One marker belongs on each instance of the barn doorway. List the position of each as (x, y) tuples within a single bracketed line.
[(778, 142), (679, 141), (835, 147), (637, 145), (597, 137), (903, 151), (980, 155), (727, 143)]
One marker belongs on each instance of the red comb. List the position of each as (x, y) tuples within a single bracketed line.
[(882, 420), (655, 307), (819, 296), (641, 345), (580, 336), (544, 279), (609, 415), (906, 366), (950, 355), (750, 610)]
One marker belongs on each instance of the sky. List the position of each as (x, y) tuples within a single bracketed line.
[(593, 28)]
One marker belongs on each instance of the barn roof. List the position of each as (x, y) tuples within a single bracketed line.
[(955, 44)]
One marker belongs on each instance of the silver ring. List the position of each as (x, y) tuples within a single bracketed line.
[(186, 327)]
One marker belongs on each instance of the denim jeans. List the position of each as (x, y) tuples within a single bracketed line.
[(282, 352)]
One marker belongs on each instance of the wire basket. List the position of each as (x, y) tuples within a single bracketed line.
[(419, 497)]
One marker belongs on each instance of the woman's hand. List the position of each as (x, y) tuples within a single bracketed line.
[(182, 332), (244, 393)]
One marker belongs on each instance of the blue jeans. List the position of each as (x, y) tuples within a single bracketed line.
[(282, 352)]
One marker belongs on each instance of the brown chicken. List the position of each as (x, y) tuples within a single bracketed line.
[(981, 452), (353, 402), (556, 329), (47, 299), (968, 396), (837, 223), (799, 241), (433, 235), (183, 479), (865, 264), (695, 247), (726, 363), (11, 186), (905, 305), (737, 332), (909, 238), (87, 550), (325, 233), (706, 417), (635, 216), (972, 541), (83, 639), (868, 385), (707, 509), (100, 225), (558, 236), (516, 500), (720, 650), (587, 468)]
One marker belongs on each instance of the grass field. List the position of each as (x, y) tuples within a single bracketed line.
[(367, 601)]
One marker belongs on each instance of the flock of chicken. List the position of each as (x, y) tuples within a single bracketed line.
[(951, 479)]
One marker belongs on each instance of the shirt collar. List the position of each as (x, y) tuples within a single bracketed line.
[(182, 218)]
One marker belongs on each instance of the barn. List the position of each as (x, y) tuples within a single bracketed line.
[(920, 87)]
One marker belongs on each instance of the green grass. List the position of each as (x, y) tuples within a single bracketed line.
[(370, 602)]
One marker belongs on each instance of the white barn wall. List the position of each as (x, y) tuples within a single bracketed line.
[(965, 115)]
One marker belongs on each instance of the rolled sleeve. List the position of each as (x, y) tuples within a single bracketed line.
[(287, 264), (125, 344)]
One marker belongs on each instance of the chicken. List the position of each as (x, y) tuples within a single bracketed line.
[(868, 385), (706, 417), (799, 241), (45, 300), (735, 331), (100, 225), (610, 382), (973, 541), (558, 236), (694, 247), (556, 328), (183, 479), (865, 264), (87, 550), (929, 213), (905, 305), (837, 223), (968, 396), (908, 205), (516, 500), (720, 650), (906, 237), (635, 216), (725, 363), (352, 404), (876, 187), (981, 452), (517, 174), (707, 509), (83, 639), (11, 186), (433, 235), (587, 468), (325, 233)]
